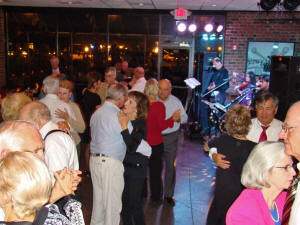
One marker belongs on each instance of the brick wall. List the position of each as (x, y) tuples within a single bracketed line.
[(2, 50), (242, 27)]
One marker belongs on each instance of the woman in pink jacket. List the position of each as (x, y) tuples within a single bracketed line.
[(266, 173)]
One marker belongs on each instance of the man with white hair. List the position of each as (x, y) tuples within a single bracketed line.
[(17, 135), (51, 100), (138, 82), (107, 154), (290, 134), (60, 148)]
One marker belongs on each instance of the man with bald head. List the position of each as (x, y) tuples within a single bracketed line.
[(290, 134), (17, 135), (170, 136), (60, 148), (138, 82)]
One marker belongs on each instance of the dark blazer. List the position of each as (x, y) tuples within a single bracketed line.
[(135, 164)]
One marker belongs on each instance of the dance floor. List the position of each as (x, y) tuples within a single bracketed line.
[(193, 192)]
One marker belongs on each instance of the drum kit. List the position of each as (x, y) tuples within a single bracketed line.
[(217, 110)]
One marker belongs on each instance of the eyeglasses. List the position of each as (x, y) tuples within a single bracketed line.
[(286, 128), (287, 168)]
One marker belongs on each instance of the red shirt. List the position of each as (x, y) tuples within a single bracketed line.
[(156, 123)]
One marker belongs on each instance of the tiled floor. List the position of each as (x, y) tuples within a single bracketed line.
[(194, 188)]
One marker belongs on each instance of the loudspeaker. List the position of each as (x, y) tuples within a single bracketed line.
[(285, 82)]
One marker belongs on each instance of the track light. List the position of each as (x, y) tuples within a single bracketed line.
[(208, 28), (181, 27), (291, 4), (192, 28), (219, 28), (268, 4)]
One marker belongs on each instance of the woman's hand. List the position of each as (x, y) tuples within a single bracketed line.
[(176, 116), (123, 120), (63, 185), (62, 114), (64, 126)]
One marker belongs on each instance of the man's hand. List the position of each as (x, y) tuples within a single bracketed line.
[(219, 159), (211, 86), (76, 179)]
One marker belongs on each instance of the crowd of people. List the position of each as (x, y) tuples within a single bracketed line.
[(124, 129)]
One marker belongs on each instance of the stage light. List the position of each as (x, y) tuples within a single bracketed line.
[(208, 28), (275, 46), (205, 37), (192, 27), (208, 48), (86, 49), (290, 4), (181, 27), (92, 46), (221, 37), (212, 37), (220, 48), (268, 4), (220, 28)]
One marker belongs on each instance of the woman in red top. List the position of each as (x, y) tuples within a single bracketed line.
[(156, 123)]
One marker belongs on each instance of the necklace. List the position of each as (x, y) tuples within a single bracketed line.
[(277, 219)]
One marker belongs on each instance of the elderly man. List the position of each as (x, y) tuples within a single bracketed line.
[(23, 136), (109, 79), (290, 133), (60, 148), (138, 82), (107, 154), (51, 100), (263, 128), (170, 136)]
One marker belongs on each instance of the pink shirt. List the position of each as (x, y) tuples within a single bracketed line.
[(250, 208)]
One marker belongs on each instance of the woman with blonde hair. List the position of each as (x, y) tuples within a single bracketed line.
[(236, 147), (25, 187), (156, 123), (11, 105)]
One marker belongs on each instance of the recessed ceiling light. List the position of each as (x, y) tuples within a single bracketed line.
[(214, 5), (141, 4)]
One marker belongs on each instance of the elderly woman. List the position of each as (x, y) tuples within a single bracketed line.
[(64, 93), (267, 172), (25, 187), (156, 123), (11, 105), (135, 163), (236, 147)]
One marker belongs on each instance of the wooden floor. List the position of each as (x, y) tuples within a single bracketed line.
[(194, 187)]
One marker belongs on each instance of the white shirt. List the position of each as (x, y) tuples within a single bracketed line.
[(139, 85), (272, 131), (295, 213), (255, 131), (53, 103), (60, 150), (172, 104)]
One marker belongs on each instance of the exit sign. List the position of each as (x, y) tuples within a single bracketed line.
[(180, 14)]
